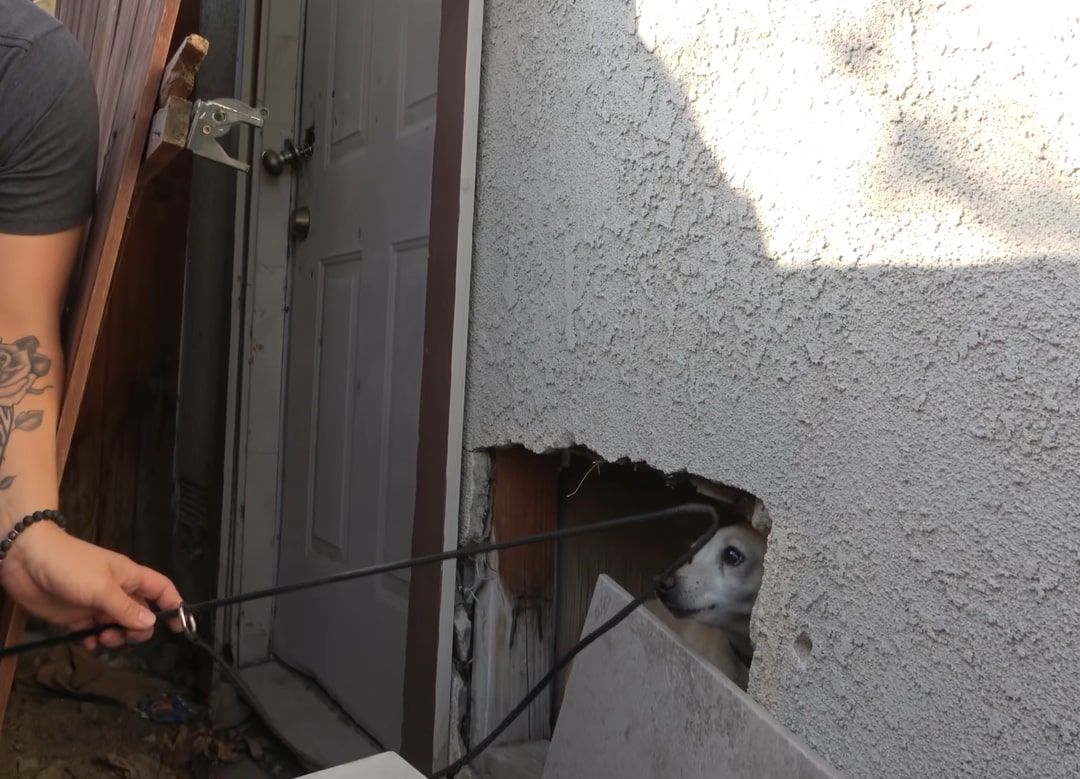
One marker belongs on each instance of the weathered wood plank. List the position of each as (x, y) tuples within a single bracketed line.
[(170, 123), (124, 42), (514, 615), (80, 487), (525, 502), (151, 284), (182, 68), (168, 137), (133, 107)]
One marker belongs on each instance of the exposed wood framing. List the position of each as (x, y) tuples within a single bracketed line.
[(127, 42), (514, 617), (525, 502), (596, 492), (532, 606)]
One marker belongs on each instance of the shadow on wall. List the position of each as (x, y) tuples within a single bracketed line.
[(983, 145), (912, 422)]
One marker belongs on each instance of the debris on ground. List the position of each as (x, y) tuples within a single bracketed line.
[(75, 714), (205, 747), (227, 708), (132, 766), (69, 669), (169, 709)]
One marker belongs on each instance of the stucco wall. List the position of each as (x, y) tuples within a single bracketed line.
[(825, 252)]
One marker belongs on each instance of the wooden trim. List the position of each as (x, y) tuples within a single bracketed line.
[(444, 667), (217, 245), (446, 289), (251, 507)]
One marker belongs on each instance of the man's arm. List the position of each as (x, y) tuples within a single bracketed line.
[(34, 271), (52, 574), (48, 175)]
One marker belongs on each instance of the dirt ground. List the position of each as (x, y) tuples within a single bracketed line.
[(50, 732)]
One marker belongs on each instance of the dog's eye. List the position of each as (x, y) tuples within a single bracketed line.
[(732, 556)]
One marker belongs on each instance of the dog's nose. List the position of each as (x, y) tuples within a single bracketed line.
[(665, 586)]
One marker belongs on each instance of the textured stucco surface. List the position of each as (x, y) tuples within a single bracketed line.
[(826, 252)]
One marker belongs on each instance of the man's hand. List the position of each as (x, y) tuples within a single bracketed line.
[(76, 584)]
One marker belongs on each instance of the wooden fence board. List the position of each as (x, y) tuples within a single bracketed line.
[(131, 98)]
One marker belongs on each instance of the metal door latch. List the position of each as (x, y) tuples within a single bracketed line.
[(211, 119)]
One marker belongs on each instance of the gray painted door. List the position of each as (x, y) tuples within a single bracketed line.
[(355, 347)]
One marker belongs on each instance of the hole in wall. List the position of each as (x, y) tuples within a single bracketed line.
[(551, 586), (804, 645), (592, 490)]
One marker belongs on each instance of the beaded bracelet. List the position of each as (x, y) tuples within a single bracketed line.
[(27, 521)]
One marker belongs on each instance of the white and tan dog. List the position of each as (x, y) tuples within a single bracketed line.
[(708, 601)]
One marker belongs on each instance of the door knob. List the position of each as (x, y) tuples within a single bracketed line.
[(275, 162), (300, 222)]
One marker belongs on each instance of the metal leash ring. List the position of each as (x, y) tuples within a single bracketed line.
[(187, 622)]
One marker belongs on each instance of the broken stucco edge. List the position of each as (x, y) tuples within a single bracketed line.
[(475, 514), (707, 485)]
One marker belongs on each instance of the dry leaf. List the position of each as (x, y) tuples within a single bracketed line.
[(56, 771), (133, 767), (255, 749), (225, 753)]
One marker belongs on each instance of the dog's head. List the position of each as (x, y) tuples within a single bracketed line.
[(720, 584)]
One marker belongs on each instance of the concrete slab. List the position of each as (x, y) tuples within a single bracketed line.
[(244, 769), (383, 766), (301, 715), (524, 760), (639, 705)]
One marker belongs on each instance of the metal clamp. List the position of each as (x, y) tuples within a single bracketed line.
[(187, 622), (211, 119)]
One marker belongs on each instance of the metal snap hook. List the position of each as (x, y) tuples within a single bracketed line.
[(187, 621)]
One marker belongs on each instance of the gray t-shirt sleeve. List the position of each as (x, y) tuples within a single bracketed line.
[(48, 136)]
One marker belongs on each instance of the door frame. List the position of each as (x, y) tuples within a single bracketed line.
[(259, 320)]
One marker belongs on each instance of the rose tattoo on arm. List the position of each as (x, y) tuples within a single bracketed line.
[(20, 369)]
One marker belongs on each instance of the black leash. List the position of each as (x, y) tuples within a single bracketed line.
[(187, 611)]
